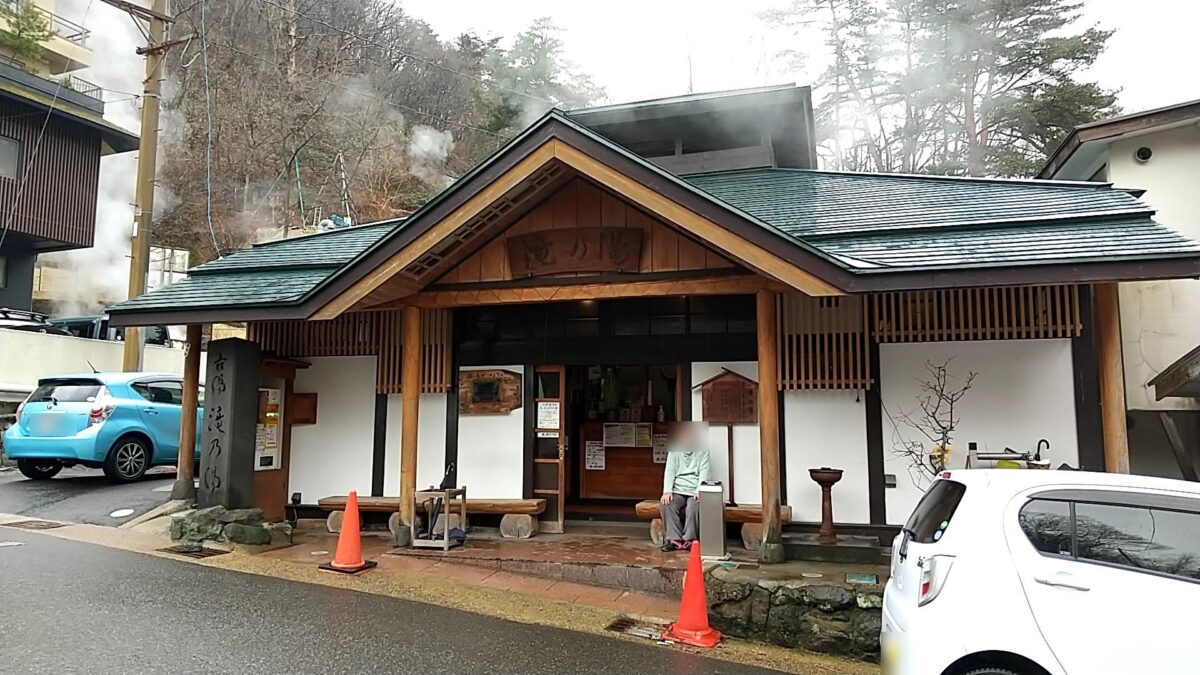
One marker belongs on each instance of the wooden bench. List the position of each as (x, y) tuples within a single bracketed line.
[(749, 515), (519, 515)]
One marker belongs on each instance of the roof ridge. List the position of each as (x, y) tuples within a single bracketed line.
[(1021, 182), (1094, 216), (683, 98), (310, 235), (200, 271)]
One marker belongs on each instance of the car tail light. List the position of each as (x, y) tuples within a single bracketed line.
[(20, 409), (102, 407), (934, 571)]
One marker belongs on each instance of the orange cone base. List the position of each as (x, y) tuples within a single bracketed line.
[(351, 571), (697, 638)]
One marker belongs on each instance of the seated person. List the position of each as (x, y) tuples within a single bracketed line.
[(687, 466)]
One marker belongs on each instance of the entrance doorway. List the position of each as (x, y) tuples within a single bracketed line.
[(613, 422)]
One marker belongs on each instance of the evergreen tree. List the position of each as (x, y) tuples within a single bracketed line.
[(28, 28)]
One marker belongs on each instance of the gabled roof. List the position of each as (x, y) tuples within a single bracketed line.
[(1079, 148), (856, 232)]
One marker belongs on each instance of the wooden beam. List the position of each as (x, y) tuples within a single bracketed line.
[(704, 229), (1187, 466), (768, 427), (473, 206), (1112, 378), (709, 285), (410, 393), (185, 486)]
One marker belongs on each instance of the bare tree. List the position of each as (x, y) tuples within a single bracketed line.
[(934, 421)]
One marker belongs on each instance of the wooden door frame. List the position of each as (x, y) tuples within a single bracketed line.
[(559, 494)]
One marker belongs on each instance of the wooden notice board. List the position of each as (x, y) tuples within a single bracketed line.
[(729, 398)]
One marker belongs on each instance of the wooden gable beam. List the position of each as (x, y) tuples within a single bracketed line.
[(748, 253)]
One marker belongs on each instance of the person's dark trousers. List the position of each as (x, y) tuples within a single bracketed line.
[(681, 518)]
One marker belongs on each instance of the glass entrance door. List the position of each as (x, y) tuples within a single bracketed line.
[(550, 438)]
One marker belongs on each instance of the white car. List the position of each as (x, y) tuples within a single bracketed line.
[(1026, 572)]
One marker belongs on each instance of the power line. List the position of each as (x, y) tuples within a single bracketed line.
[(407, 55), (356, 92)]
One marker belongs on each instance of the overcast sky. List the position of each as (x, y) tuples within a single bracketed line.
[(638, 49)]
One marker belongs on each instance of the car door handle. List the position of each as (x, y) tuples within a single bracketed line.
[(150, 411), (1065, 581)]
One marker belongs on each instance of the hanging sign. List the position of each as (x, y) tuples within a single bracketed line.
[(593, 456), (579, 249)]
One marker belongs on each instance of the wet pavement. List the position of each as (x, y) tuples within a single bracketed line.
[(81, 495), (77, 607)]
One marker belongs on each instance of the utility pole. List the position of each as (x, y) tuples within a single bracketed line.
[(139, 261)]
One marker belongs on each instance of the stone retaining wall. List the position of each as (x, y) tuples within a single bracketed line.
[(814, 614)]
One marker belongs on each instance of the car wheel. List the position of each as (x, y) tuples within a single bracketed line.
[(128, 460), (39, 469)]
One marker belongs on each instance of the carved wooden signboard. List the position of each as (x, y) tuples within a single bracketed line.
[(488, 391), (581, 249), (729, 398)]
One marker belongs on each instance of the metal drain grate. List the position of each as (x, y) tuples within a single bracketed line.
[(197, 552), (34, 524), (643, 629)]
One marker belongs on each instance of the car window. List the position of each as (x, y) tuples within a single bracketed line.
[(1157, 540), (1047, 524), (169, 393), (63, 391), (81, 329), (933, 514)]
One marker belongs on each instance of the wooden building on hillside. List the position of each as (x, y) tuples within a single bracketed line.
[(540, 323)]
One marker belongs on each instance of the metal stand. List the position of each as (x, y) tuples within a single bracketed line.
[(446, 496)]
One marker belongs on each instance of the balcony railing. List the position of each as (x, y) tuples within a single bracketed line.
[(63, 28), (82, 86)]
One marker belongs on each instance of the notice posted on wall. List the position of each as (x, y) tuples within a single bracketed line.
[(620, 435), (547, 414), (593, 456), (642, 435), (660, 448)]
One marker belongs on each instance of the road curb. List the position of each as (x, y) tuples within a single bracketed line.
[(164, 509)]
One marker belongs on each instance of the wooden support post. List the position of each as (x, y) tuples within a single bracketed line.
[(185, 486), (410, 393), (768, 428), (1112, 378)]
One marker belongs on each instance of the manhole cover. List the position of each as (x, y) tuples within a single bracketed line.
[(34, 524), (196, 552), (643, 629)]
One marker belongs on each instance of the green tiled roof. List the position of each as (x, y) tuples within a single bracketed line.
[(807, 203), (1010, 244), (282, 271)]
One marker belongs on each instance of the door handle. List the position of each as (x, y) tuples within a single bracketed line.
[(150, 411), (1064, 581)]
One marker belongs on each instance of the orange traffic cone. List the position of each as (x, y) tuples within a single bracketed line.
[(692, 627), (348, 558)]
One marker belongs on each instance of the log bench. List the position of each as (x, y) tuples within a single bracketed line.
[(749, 515), (519, 517)]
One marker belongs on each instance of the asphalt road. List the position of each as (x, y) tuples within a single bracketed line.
[(75, 607), (81, 495)]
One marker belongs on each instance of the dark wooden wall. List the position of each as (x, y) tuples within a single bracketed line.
[(580, 203), (58, 200)]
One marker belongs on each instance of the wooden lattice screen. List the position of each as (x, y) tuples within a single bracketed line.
[(365, 334), (823, 343), (1004, 313)]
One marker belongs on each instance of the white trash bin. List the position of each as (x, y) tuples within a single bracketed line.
[(712, 521)]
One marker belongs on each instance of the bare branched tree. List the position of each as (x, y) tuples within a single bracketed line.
[(935, 421)]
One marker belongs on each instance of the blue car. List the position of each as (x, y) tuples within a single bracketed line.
[(123, 423)]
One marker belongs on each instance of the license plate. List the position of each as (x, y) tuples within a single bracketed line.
[(48, 425)]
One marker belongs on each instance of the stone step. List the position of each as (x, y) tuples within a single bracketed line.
[(848, 549), (661, 581)]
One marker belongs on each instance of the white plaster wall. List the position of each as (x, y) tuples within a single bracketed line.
[(491, 456), (42, 355), (431, 442), (826, 428), (334, 455), (747, 473), (1159, 319), (1024, 391)]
